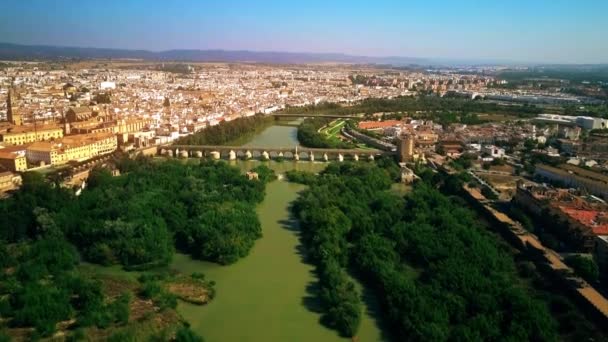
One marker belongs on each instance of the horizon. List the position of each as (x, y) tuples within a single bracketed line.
[(422, 61), (545, 32)]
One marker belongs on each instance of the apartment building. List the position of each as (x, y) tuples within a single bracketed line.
[(572, 176), (13, 160), (72, 148), (19, 135)]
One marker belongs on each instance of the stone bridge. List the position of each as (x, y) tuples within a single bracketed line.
[(315, 115), (267, 153)]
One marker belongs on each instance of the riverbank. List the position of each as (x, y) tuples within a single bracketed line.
[(269, 294)]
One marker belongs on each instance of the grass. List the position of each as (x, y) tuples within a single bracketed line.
[(334, 127)]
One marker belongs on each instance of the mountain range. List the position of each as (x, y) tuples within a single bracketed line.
[(9, 51)]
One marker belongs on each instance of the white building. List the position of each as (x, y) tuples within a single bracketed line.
[(493, 151), (588, 122), (107, 85)]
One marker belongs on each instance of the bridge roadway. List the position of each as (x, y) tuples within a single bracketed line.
[(248, 152), (313, 115)]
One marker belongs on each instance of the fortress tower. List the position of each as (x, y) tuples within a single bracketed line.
[(405, 148)]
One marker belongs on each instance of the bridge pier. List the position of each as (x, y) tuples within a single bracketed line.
[(265, 153)]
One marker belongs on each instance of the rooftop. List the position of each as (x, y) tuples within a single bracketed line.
[(31, 128), (594, 219), (568, 170), (378, 124)]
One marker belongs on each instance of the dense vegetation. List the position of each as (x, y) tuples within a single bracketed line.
[(42, 290), (574, 74), (135, 220), (598, 110), (227, 131), (585, 267), (45, 288), (588, 80), (428, 106), (309, 135), (436, 271)]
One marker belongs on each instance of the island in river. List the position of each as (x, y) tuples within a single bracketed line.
[(268, 295)]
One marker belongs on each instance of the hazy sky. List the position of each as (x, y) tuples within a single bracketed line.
[(560, 31)]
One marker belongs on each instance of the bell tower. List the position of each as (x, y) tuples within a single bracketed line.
[(13, 112)]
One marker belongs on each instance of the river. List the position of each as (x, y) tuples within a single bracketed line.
[(268, 295)]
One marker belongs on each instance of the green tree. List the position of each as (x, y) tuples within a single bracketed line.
[(585, 267), (42, 307), (185, 334)]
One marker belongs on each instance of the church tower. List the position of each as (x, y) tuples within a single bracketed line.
[(13, 113)]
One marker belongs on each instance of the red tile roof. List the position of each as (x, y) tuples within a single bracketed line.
[(594, 219), (378, 124)]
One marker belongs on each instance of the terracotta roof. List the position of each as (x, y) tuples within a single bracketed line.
[(9, 155), (32, 128), (594, 219), (41, 146), (378, 124)]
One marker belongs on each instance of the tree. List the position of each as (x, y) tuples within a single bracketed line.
[(42, 307), (436, 272), (585, 267), (120, 308), (47, 256), (227, 131), (185, 334), (529, 144), (223, 232)]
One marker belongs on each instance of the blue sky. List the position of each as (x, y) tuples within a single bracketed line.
[(559, 31)]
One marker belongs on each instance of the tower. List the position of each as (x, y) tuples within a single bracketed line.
[(405, 149), (13, 113)]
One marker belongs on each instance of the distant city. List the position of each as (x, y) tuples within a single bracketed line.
[(174, 171), (529, 143)]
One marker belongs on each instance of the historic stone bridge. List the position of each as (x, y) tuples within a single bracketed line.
[(266, 153), (313, 115)]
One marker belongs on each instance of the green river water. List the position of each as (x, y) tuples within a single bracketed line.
[(268, 295)]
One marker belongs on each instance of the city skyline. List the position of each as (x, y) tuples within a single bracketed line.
[(303, 171), (517, 32)]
